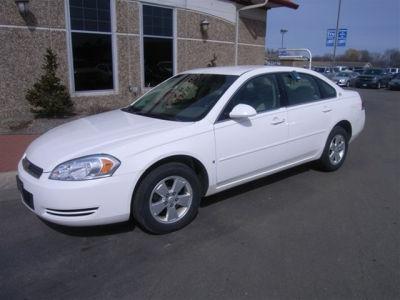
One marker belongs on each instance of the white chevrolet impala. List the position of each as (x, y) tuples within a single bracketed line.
[(198, 133)]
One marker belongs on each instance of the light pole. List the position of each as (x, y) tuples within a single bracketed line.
[(336, 33), (283, 31)]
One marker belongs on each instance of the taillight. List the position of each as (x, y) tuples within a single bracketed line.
[(362, 104)]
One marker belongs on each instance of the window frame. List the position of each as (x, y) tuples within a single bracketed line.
[(114, 51), (282, 100), (321, 89), (316, 80), (142, 36)]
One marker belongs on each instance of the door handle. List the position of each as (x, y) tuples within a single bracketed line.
[(276, 121), (326, 109)]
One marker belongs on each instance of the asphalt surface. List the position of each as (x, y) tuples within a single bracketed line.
[(300, 234)]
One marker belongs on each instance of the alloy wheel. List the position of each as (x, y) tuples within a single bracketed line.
[(337, 149), (171, 199)]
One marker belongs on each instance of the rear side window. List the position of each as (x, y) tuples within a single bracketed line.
[(326, 90), (301, 88)]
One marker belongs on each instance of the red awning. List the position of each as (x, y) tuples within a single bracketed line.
[(271, 3), (286, 3)]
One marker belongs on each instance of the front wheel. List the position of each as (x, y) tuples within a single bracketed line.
[(335, 150), (167, 199)]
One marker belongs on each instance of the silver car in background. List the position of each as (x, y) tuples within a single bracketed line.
[(345, 78), (328, 72)]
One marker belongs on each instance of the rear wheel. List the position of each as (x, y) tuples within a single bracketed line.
[(167, 199), (335, 150)]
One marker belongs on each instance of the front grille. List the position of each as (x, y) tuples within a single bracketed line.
[(31, 168), (71, 212), (363, 78)]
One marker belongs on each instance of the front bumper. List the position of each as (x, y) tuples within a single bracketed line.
[(367, 84), (78, 203), (394, 86)]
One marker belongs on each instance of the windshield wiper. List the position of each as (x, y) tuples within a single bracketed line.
[(131, 110)]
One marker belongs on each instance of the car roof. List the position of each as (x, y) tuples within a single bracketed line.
[(240, 70), (227, 70)]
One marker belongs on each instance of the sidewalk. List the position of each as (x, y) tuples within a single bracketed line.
[(12, 148)]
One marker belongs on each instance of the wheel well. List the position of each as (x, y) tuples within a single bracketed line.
[(190, 161), (346, 126)]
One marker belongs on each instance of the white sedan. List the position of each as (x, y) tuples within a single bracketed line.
[(198, 133)]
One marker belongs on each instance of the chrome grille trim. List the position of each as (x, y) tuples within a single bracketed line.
[(31, 168)]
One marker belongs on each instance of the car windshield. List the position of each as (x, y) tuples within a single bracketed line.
[(186, 97), (373, 72), (343, 74), (319, 69)]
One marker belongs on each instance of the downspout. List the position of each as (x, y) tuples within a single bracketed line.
[(237, 25)]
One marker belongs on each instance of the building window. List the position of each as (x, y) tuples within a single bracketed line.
[(92, 45), (158, 44)]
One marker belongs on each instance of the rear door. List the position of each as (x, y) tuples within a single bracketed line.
[(309, 111)]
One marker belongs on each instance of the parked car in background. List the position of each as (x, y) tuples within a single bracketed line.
[(359, 70), (345, 78), (328, 72), (393, 70), (373, 78), (341, 68), (198, 133), (394, 83)]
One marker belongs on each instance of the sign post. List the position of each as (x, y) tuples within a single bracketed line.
[(336, 33), (341, 37)]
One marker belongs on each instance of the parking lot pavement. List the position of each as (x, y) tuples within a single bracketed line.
[(300, 234)]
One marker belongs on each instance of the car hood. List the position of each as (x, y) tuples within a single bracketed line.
[(368, 76), (96, 134)]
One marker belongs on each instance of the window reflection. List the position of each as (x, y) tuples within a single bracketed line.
[(157, 60), (92, 61), (92, 49)]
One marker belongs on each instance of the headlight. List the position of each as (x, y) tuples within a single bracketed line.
[(86, 167)]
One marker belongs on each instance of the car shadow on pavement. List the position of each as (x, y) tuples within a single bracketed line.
[(112, 229), (262, 182), (101, 230)]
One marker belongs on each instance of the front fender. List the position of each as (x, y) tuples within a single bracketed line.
[(200, 147)]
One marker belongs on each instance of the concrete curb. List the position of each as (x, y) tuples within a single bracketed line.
[(7, 180)]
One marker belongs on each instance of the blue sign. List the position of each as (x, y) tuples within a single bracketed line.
[(341, 40), (330, 37), (342, 37)]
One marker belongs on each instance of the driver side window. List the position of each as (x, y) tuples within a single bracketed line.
[(261, 93)]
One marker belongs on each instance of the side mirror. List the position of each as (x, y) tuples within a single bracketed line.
[(241, 111)]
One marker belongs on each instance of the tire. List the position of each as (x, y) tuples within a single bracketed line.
[(348, 84), (154, 212), (330, 161), (378, 85)]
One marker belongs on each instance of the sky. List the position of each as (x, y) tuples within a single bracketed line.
[(373, 25)]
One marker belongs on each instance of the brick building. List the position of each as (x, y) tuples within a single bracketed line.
[(110, 51)]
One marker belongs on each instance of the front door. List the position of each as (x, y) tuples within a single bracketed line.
[(249, 146)]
